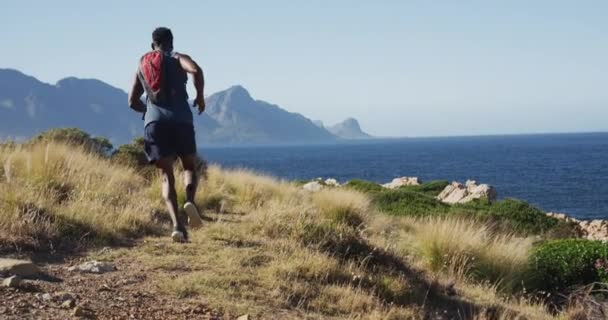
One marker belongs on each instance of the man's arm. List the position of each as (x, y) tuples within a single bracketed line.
[(137, 90), (191, 67)]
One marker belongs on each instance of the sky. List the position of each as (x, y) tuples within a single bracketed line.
[(402, 68)]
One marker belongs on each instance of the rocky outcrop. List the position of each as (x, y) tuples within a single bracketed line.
[(318, 184), (591, 229), (332, 182), (459, 193), (595, 229), (313, 186), (403, 181)]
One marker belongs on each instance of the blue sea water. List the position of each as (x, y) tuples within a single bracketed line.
[(556, 172)]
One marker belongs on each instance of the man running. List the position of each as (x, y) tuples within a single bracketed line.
[(169, 130)]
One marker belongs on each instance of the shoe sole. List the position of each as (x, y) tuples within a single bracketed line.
[(194, 219), (178, 237)]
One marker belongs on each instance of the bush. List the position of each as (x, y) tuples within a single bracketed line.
[(403, 201), (432, 188), (559, 264), (364, 186), (408, 203), (75, 136), (514, 216), (131, 154)]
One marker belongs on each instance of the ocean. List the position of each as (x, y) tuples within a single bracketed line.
[(565, 173)]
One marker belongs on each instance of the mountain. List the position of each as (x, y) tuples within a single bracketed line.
[(29, 106), (349, 129), (242, 119)]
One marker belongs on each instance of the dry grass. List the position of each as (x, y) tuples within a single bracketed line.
[(330, 254), (465, 248), (269, 246), (52, 193)]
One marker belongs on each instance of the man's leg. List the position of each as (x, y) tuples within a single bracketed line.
[(190, 176), (191, 183), (165, 165)]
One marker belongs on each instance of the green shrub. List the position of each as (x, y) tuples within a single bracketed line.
[(408, 203), (559, 264), (432, 188), (131, 154), (407, 200), (515, 216), (75, 136), (364, 186)]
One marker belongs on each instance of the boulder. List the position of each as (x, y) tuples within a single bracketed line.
[(313, 186), (479, 191), (332, 182), (403, 181), (12, 282), (459, 193), (93, 267), (22, 268), (595, 229)]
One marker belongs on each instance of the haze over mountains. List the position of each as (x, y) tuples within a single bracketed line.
[(29, 106)]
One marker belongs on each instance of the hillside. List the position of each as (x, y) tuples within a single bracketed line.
[(29, 106), (270, 249)]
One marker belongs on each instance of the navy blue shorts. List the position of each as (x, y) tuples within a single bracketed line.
[(168, 139)]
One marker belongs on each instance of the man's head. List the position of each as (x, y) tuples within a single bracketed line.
[(162, 39)]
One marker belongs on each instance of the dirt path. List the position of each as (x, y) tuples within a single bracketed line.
[(123, 294)]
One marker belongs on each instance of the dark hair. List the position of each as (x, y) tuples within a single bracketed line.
[(163, 38)]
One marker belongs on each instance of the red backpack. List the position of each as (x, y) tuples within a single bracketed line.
[(152, 75)]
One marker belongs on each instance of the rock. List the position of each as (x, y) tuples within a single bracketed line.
[(564, 217), (556, 215), (403, 181), (93, 267), (453, 193), (595, 229), (79, 311), (64, 296), (12, 282), (459, 193), (68, 304), (22, 268), (313, 186), (479, 191), (332, 182), (244, 317), (46, 297), (590, 230)]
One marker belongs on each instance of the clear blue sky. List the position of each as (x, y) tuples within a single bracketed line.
[(403, 68)]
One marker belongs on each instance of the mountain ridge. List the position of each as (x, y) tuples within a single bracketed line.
[(29, 106)]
